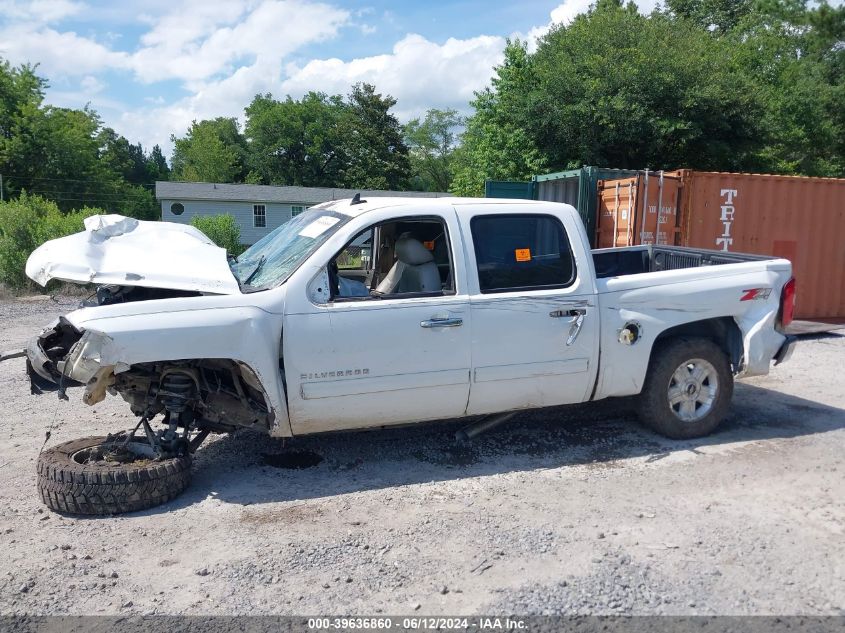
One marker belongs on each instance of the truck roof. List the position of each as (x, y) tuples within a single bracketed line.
[(348, 208)]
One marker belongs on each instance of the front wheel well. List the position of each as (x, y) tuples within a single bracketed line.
[(721, 330), (221, 394)]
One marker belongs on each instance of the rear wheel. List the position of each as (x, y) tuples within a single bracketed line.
[(688, 388), (99, 475)]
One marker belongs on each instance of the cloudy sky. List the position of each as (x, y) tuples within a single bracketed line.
[(151, 67)]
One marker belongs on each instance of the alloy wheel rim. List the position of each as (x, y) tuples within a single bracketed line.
[(692, 390)]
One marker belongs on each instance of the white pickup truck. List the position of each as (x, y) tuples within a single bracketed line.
[(373, 313)]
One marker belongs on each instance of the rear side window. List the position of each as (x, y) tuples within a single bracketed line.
[(516, 252)]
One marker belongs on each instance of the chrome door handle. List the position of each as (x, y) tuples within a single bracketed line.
[(442, 322), (575, 328), (557, 314)]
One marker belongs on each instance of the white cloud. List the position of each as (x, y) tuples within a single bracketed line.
[(423, 74), (40, 10), (225, 97), (58, 53), (223, 65), (91, 85), (201, 39), (566, 12), (224, 52), (418, 72), (89, 90), (194, 41)]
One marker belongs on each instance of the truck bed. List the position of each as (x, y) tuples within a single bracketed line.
[(633, 260)]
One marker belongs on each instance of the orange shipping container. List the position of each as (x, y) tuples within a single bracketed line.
[(639, 210), (801, 219)]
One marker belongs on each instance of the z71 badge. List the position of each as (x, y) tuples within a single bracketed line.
[(756, 294)]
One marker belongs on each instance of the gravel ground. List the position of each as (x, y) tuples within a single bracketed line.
[(568, 510)]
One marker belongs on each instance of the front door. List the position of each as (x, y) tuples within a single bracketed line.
[(535, 318), (393, 351)]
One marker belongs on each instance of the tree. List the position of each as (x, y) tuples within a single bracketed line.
[(123, 158), (497, 143), (156, 165), (64, 154), (732, 85), (212, 151), (27, 222), (619, 89), (374, 146), (797, 52), (431, 142), (20, 89), (720, 16), (326, 141), (296, 142)]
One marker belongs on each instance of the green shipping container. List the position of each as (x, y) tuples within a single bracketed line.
[(509, 189), (578, 187)]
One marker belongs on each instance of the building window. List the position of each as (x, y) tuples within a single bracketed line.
[(295, 211), (259, 216), (177, 208)]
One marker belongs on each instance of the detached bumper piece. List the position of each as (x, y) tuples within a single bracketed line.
[(38, 384), (785, 351), (42, 354), (10, 354), (37, 364)]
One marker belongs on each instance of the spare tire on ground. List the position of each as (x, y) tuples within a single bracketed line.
[(93, 476)]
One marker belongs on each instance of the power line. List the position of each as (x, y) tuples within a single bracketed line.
[(93, 200), (99, 194), (139, 184)]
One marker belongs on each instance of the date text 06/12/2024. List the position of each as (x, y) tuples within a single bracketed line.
[(418, 623)]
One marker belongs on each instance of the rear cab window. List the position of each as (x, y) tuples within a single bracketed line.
[(521, 252)]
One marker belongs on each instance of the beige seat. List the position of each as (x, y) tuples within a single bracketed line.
[(414, 270)]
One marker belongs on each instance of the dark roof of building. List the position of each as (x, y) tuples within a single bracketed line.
[(267, 193)]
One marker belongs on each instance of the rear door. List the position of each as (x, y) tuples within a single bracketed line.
[(534, 311)]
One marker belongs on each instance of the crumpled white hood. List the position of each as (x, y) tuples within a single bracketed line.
[(114, 249)]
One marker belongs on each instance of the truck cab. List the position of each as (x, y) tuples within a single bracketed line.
[(455, 313)]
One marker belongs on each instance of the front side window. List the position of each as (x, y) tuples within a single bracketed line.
[(521, 252), (259, 216), (407, 257)]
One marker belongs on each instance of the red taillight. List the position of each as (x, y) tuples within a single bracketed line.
[(787, 303)]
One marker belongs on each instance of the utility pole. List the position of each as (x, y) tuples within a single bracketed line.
[(1, 188)]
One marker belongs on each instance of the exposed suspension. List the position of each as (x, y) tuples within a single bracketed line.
[(176, 390)]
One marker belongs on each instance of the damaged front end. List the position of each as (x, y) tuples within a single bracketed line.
[(165, 295), (196, 397), (45, 358)]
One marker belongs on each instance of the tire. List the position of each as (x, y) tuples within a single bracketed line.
[(68, 485), (687, 370)]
